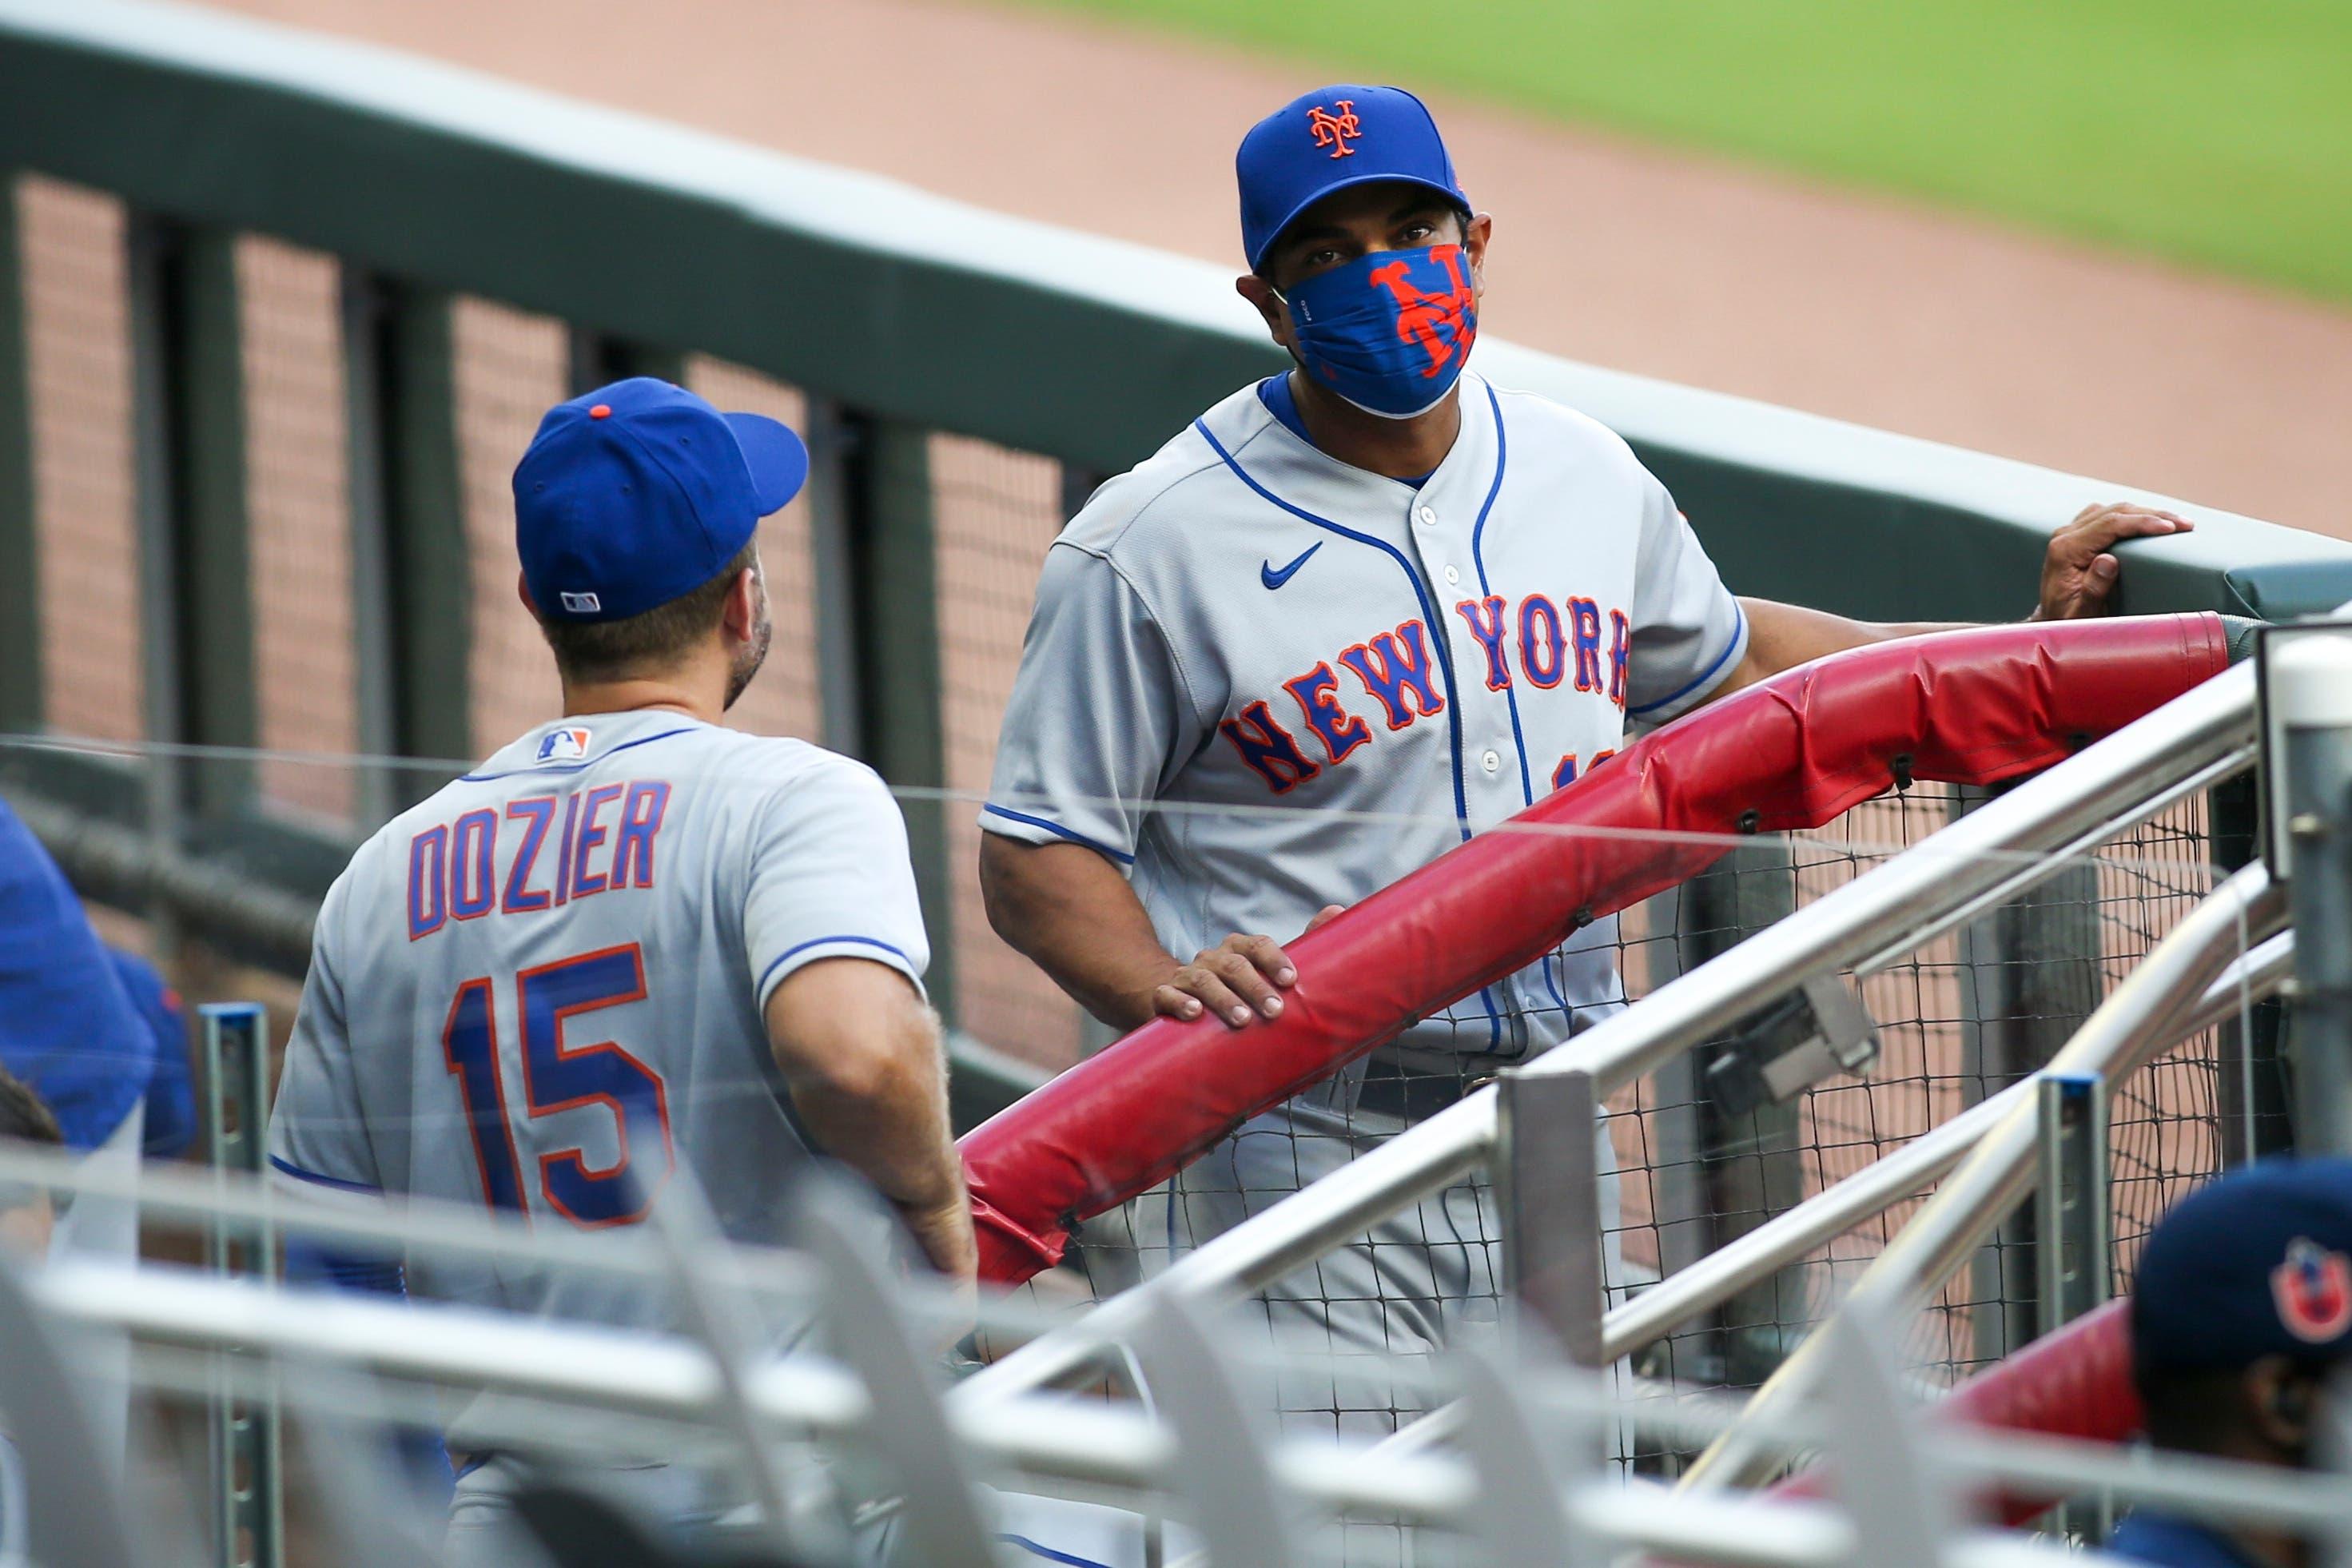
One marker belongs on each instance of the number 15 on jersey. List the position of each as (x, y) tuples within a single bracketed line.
[(558, 1077)]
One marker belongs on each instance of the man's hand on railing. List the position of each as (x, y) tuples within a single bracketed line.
[(2078, 574)]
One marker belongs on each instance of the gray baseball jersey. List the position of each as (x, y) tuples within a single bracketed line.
[(542, 989), (1243, 623)]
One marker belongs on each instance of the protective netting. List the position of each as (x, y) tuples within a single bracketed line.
[(1957, 1019), (994, 512)]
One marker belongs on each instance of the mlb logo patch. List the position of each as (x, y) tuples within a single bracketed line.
[(580, 603), (567, 745), (2313, 1291)]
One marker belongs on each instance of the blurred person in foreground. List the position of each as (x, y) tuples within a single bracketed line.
[(92, 1051), (634, 949), (28, 1214), (2242, 1309), (29, 1217)]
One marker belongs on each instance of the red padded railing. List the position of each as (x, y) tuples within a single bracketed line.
[(2075, 1382), (1969, 707)]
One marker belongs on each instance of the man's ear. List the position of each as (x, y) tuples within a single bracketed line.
[(522, 591), (739, 613), (1260, 293), (1475, 235), (2279, 1401)]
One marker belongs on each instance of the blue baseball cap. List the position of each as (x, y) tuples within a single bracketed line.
[(2256, 1263), (639, 492), (1328, 139)]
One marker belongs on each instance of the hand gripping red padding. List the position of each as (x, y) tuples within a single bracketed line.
[(1967, 707), (2074, 1381)]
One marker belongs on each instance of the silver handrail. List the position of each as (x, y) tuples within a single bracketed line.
[(1904, 1174), (2164, 987), (2111, 786)]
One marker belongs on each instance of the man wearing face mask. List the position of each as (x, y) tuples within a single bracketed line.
[(1377, 583)]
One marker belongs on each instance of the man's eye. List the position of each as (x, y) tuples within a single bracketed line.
[(1419, 230)]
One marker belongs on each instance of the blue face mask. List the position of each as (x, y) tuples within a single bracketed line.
[(1387, 332)]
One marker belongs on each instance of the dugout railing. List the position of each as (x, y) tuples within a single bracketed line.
[(277, 313), (861, 1402), (2209, 965)]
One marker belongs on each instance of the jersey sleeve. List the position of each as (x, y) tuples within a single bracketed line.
[(318, 1134), (1099, 717), (1689, 633), (830, 878)]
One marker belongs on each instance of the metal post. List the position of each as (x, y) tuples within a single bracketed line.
[(20, 580), (2029, 977), (2072, 1263), (1549, 1195), (596, 359), (2310, 696), (370, 585), (1078, 483), (1750, 1165), (2073, 1253), (195, 575), (248, 1501), (2250, 1056), (894, 576), (832, 573), (411, 573)]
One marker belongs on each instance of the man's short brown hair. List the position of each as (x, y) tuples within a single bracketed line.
[(652, 640), (22, 1113)]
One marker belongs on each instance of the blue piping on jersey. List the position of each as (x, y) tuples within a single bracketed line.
[(300, 1175), (1059, 831), (1047, 1553), (1438, 637), (1510, 693), (584, 763), (800, 947), (1739, 630)]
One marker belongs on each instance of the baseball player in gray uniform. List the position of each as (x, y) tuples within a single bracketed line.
[(632, 945), (1376, 584)]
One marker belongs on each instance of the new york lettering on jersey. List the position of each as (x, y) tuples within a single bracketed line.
[(1243, 619)]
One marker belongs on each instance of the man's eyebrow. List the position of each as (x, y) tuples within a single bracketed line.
[(1420, 203), (1313, 232)]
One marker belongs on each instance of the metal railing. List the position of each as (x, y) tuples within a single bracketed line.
[(1999, 1167), (1986, 857), (1516, 1497)]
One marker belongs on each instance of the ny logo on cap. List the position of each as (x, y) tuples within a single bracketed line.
[(2312, 1290), (1335, 131)]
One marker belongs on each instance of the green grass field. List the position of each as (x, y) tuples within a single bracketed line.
[(2218, 133)]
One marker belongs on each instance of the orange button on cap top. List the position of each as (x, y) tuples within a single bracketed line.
[(602, 411)]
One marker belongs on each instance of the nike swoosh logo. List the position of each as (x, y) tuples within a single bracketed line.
[(1273, 579)]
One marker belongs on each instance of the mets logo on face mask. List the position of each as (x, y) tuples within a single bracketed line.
[(2312, 1290), (1335, 131), (1444, 322)]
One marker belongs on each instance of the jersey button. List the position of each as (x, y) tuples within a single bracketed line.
[(1453, 578), (1428, 515), (1492, 761)]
